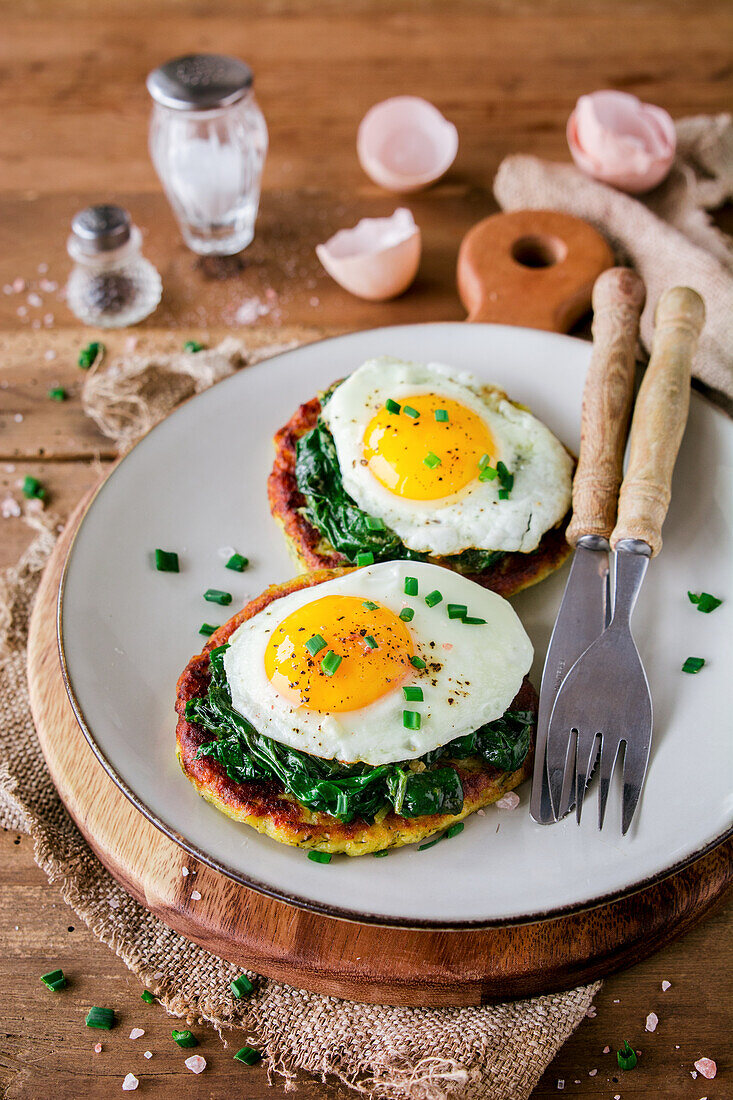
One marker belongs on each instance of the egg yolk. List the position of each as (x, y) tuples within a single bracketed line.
[(424, 458), (349, 625)]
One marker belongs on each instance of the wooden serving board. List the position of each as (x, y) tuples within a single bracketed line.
[(362, 962)]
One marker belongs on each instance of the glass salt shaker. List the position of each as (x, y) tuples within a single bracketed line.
[(208, 141), (111, 284)]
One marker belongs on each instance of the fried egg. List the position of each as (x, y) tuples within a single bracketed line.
[(384, 663), (419, 446)]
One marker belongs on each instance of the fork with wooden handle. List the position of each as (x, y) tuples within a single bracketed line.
[(605, 697)]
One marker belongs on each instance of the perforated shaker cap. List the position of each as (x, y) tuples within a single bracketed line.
[(200, 82), (101, 228)]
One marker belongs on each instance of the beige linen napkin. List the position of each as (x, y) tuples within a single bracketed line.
[(496, 1052), (666, 235)]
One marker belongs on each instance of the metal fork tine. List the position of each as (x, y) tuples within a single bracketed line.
[(609, 756), (636, 757), (585, 759)]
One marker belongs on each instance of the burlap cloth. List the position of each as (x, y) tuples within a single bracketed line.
[(666, 235), (493, 1053)]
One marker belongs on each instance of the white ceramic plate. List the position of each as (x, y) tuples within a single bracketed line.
[(197, 483)]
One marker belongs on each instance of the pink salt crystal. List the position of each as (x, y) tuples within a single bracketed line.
[(651, 1022), (130, 343), (480, 813), (48, 319), (560, 1084), (148, 1054), (49, 355), (195, 895), (97, 1048), (508, 801), (42, 269), (19, 285), (606, 1050), (34, 300), (592, 1072), (665, 986), (196, 1063), (184, 871), (10, 509), (706, 1067), (130, 1083), (447, 646), (693, 1075), (22, 311), (48, 286), (136, 1033)]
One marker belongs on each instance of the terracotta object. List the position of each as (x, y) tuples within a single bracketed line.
[(534, 268), (404, 144), (619, 140), (377, 259)]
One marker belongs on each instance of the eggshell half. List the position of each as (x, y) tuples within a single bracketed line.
[(377, 259), (619, 140), (404, 144)]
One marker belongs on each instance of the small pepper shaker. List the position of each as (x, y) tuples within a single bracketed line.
[(111, 284)]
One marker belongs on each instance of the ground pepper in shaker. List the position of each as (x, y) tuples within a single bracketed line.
[(208, 141), (111, 284)]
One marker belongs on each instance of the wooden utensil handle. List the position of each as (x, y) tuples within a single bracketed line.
[(659, 419), (618, 299)]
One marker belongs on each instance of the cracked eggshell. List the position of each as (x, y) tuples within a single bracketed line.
[(617, 139), (404, 144), (377, 259)]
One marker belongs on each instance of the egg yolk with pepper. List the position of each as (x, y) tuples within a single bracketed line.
[(424, 456), (373, 643)]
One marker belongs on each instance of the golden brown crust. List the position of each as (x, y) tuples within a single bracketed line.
[(269, 809), (309, 550)]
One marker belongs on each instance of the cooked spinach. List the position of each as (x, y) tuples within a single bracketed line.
[(343, 790), (340, 520)]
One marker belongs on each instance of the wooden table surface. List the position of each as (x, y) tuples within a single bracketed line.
[(73, 131)]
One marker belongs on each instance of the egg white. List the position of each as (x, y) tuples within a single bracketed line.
[(474, 517), (479, 667)]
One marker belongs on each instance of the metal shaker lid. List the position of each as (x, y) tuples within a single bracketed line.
[(200, 82), (101, 228)]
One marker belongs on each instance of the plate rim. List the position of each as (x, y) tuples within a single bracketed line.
[(295, 900)]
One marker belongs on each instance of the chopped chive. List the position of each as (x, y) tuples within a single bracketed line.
[(207, 629), (89, 355), (506, 479), (215, 595), (417, 662), (411, 586), (185, 1039), (371, 642), (487, 473), (330, 663), (503, 494), (241, 986), (411, 719), (166, 561), (320, 857), (433, 598), (693, 664), (380, 855), (441, 415), (58, 393), (413, 694), (626, 1057), (392, 406), (705, 602), (457, 610), (365, 557), (431, 460), (471, 620), (238, 563), (370, 605), (407, 614), (454, 829), (374, 523), (148, 997), (54, 980), (483, 461), (248, 1055), (32, 488), (103, 1018), (430, 844), (315, 644), (409, 411), (193, 346)]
